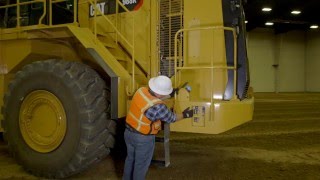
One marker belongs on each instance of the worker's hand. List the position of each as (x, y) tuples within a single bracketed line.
[(175, 90), (187, 113)]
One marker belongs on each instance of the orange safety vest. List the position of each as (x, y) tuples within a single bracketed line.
[(141, 101)]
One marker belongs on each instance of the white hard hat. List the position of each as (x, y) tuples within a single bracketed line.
[(161, 85)]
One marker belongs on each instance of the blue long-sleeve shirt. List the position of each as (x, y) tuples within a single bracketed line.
[(160, 112)]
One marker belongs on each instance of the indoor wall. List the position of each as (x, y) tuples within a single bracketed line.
[(313, 62), (286, 62)]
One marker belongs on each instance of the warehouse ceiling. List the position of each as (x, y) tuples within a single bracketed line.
[(280, 16)]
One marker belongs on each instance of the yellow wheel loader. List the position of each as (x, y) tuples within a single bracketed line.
[(69, 68)]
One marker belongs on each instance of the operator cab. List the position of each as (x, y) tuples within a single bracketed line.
[(31, 12)]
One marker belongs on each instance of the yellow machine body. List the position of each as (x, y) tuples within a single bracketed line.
[(69, 69), (129, 44)]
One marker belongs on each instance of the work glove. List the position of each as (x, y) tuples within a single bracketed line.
[(187, 113), (174, 91)]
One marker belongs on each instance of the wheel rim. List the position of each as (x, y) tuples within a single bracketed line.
[(42, 121)]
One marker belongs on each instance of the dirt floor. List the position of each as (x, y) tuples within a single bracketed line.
[(282, 142)]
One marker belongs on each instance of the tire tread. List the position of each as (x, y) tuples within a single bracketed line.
[(96, 125)]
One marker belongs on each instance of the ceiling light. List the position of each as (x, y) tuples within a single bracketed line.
[(269, 23), (246, 22), (314, 27), (266, 9), (295, 12)]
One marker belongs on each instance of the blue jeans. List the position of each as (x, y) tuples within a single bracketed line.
[(139, 155)]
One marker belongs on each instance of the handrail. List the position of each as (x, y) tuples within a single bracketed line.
[(133, 52), (207, 67), (58, 1), (44, 12), (18, 4), (234, 67), (118, 33), (22, 3), (75, 9)]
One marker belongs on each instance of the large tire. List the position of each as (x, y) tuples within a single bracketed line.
[(88, 133)]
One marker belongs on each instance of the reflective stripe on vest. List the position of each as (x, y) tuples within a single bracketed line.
[(147, 106), (136, 118)]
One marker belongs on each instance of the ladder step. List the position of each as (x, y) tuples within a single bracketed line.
[(120, 58), (108, 45), (160, 163), (163, 145), (159, 139)]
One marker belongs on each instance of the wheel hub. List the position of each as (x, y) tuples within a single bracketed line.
[(42, 121)]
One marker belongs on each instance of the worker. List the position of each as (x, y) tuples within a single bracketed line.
[(143, 122)]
